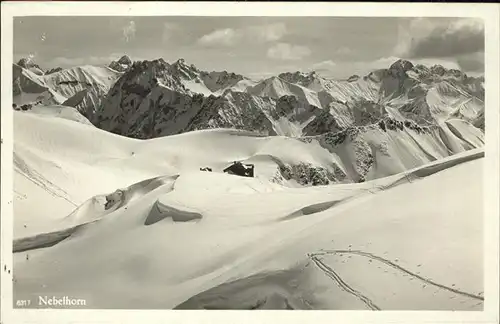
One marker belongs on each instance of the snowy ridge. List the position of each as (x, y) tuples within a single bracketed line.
[(80, 87), (354, 155), (427, 96), (408, 114), (275, 88), (206, 82), (317, 242), (402, 92), (119, 182)]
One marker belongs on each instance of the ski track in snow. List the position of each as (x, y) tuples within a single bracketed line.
[(426, 141), (43, 183), (369, 303), (332, 274)]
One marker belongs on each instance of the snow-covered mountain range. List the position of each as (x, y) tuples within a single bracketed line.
[(82, 87), (411, 113), (111, 204)]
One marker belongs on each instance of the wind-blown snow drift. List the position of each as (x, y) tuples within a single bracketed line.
[(393, 219), (68, 162), (176, 237)]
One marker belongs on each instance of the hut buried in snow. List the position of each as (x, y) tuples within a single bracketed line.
[(238, 168)]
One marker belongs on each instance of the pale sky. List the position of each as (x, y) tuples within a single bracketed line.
[(254, 46)]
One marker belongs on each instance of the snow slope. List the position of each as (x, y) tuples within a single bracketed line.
[(176, 237), (275, 88), (58, 149), (81, 87)]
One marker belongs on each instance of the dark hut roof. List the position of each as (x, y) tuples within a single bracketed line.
[(237, 168)]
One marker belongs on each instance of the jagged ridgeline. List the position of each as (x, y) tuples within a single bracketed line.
[(406, 114)]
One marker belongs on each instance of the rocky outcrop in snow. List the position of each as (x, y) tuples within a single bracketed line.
[(396, 113), (54, 70), (306, 174), (404, 111)]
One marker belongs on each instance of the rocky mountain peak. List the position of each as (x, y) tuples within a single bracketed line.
[(402, 65), (123, 64), (353, 78), (438, 69), (125, 59), (303, 78), (189, 71), (27, 62), (181, 63)]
